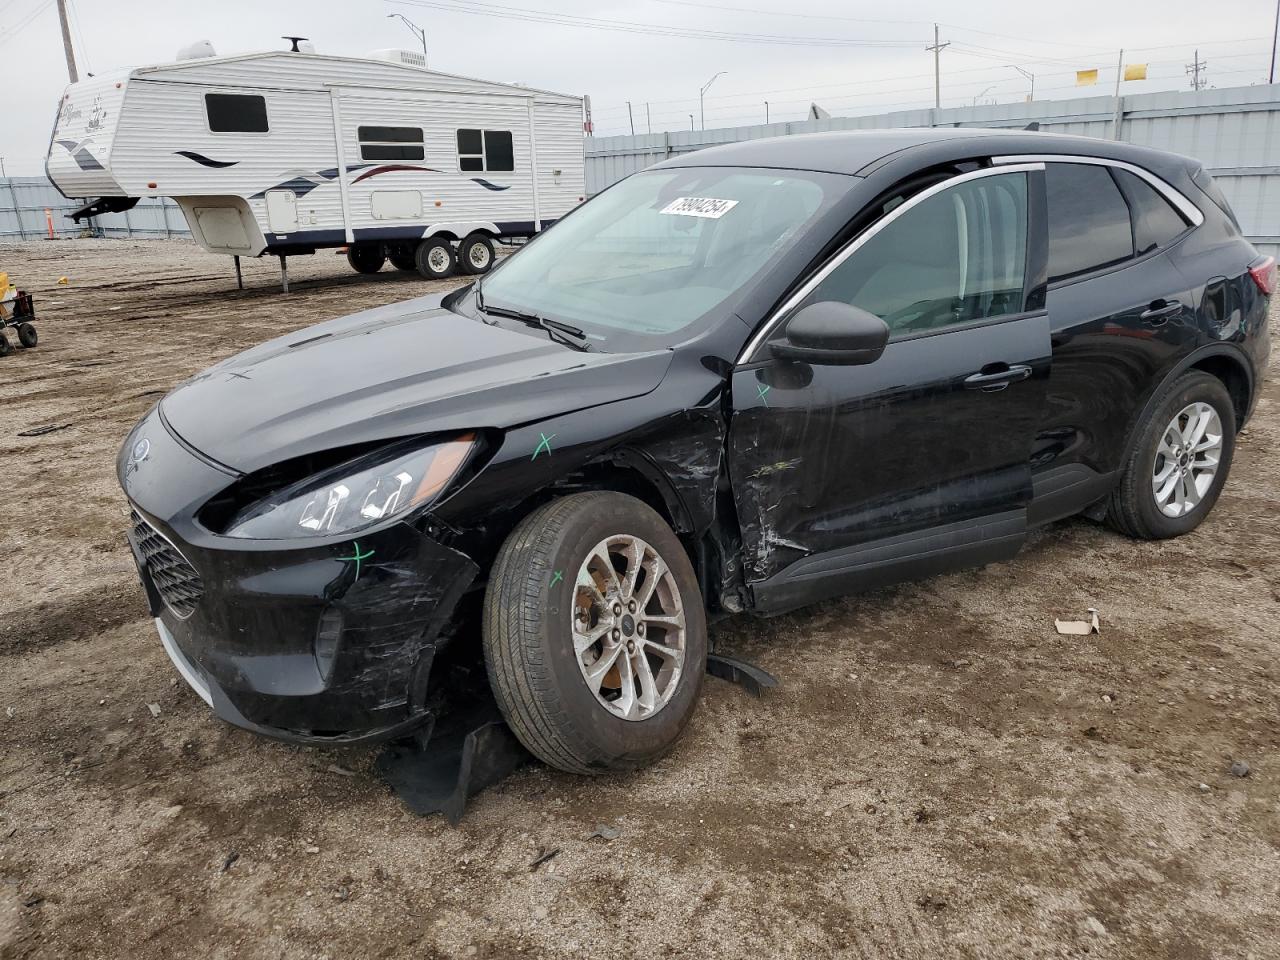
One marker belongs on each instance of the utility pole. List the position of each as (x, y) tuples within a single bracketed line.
[(1030, 76), (937, 49), (631, 119), (766, 112), (1275, 31), (66, 42), (1195, 70), (702, 111), (2, 176), (648, 119)]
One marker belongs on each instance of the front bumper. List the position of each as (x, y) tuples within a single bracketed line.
[(294, 640)]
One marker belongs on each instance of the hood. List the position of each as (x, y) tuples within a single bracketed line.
[(397, 371)]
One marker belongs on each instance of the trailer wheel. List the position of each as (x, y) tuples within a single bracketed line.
[(6, 348), (402, 259), (435, 258), (475, 254), (27, 335), (366, 257)]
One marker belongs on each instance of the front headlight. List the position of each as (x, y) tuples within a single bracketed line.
[(356, 494)]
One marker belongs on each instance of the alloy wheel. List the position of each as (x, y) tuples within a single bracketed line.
[(1187, 459), (628, 627)]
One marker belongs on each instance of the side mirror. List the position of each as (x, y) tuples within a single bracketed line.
[(833, 333)]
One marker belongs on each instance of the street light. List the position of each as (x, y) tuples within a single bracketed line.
[(982, 94), (691, 122), (766, 113), (702, 112), (1030, 76), (417, 32)]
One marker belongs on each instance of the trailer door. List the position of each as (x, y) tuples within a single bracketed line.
[(282, 211)]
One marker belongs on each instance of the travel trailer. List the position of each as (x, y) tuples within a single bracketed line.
[(287, 152)]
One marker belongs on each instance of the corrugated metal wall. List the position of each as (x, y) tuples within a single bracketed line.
[(1235, 133), (24, 200)]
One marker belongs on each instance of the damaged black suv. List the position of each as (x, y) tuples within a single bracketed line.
[(741, 381)]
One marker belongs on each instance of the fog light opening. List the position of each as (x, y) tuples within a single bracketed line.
[(328, 639)]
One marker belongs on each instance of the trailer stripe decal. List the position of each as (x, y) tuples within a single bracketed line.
[(490, 186), (392, 168), (205, 161)]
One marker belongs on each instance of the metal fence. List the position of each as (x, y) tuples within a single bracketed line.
[(1234, 132), (28, 205)]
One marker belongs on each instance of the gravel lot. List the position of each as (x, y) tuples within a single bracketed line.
[(939, 775)]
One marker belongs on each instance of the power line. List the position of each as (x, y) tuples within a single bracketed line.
[(530, 15), (22, 24)]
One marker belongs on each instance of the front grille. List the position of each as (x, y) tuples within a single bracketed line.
[(176, 580)]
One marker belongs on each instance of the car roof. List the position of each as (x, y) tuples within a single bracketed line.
[(856, 152)]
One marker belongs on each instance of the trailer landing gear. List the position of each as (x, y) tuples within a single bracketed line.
[(284, 273)]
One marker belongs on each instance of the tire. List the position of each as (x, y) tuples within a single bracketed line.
[(402, 259), (475, 254), (366, 257), (1133, 507), (6, 347), (435, 259), (27, 335), (528, 636)]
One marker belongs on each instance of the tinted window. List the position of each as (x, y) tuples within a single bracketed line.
[(956, 257), (499, 154), (485, 150), (1088, 219), (391, 143), (1155, 221), (236, 113)]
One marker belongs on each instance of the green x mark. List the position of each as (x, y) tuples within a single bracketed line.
[(762, 389), (557, 578), (544, 444), (358, 557)]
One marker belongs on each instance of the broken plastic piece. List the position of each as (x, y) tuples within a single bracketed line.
[(747, 675), (1079, 628), (476, 751)]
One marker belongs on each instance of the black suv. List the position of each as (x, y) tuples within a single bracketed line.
[(743, 380)]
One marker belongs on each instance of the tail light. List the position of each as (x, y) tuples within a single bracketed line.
[(1264, 275)]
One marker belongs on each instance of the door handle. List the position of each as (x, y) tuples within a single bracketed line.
[(996, 376), (1160, 311)]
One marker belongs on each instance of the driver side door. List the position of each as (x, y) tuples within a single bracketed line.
[(852, 476)]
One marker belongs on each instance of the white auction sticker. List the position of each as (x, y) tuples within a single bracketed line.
[(699, 207)]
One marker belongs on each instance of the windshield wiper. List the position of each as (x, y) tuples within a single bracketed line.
[(570, 336)]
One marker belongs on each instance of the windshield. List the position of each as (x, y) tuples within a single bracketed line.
[(658, 252)]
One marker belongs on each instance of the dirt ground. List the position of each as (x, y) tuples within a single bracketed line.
[(939, 774)]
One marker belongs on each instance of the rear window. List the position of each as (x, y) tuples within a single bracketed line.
[(1088, 220), (1214, 192), (1155, 222), (236, 113)]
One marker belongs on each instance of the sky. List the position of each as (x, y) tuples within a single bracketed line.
[(849, 57)]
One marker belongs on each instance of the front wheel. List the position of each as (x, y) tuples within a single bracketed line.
[(6, 347), (27, 335), (595, 636), (1179, 461)]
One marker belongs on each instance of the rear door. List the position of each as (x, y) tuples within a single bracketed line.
[(1120, 313), (847, 476)]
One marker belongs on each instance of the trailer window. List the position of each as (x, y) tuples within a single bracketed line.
[(391, 143), (236, 113), (485, 150)]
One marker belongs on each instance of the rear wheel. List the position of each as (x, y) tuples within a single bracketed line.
[(402, 259), (27, 335), (475, 254), (366, 257), (434, 259), (1180, 459), (595, 637)]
